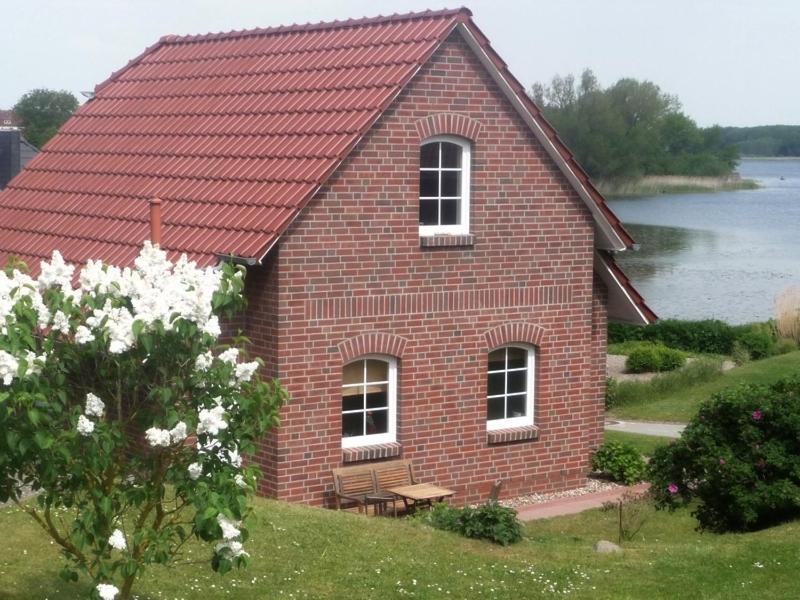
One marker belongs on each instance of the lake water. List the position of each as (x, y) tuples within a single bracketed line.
[(722, 255)]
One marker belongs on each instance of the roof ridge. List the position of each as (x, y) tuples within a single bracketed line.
[(321, 25)]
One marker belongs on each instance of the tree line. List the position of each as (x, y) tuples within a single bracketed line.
[(765, 140), (631, 129)]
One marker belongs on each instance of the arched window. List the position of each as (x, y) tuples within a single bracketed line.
[(369, 401), (444, 169), (510, 387)]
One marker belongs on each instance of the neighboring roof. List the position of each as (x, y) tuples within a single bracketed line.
[(236, 132), (8, 119)]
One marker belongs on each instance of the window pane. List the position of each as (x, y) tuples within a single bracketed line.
[(377, 421), (495, 409), (377, 370), (353, 424), (451, 183), (517, 358), (516, 381), (429, 155), (516, 406), (428, 212), (496, 384), (353, 373), (450, 214), (353, 398), (451, 155), (428, 183), (497, 360), (377, 396)]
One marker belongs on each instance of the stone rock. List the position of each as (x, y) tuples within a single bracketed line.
[(606, 547)]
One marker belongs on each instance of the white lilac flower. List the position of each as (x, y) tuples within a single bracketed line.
[(178, 433), (230, 529), (231, 549), (56, 273), (244, 371), (240, 481), (234, 458), (157, 437), (212, 327), (61, 322), (33, 363), (83, 335), (8, 367), (85, 426), (106, 591), (211, 421), (94, 406), (230, 356), (203, 361), (195, 470), (117, 540)]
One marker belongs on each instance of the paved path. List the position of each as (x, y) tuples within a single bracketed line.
[(670, 430), (576, 504)]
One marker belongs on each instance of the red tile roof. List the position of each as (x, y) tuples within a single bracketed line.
[(234, 131)]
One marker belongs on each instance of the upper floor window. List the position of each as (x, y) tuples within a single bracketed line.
[(444, 166), (510, 387), (369, 401)]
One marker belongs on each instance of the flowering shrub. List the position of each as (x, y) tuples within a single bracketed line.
[(117, 405), (739, 457)]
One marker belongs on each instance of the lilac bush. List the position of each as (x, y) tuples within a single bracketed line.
[(120, 408)]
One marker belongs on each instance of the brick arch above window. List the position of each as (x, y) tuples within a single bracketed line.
[(447, 123), (375, 342), (518, 332)]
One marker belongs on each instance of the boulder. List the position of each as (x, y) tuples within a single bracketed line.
[(606, 547)]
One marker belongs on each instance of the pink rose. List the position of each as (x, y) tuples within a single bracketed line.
[(672, 488), (757, 415), (722, 461)]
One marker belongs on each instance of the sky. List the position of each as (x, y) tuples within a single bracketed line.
[(730, 62)]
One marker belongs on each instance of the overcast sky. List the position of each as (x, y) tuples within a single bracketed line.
[(732, 62)]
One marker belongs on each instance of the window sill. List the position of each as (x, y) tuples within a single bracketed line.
[(360, 453), (446, 241), (513, 434)]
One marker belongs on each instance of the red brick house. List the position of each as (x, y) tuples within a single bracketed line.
[(430, 271)]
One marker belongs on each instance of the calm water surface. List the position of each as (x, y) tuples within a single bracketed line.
[(724, 255)]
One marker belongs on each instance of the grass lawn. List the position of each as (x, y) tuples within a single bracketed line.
[(681, 402), (645, 444), (299, 552)]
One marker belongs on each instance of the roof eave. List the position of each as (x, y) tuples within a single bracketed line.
[(625, 304)]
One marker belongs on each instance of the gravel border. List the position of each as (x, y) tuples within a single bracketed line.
[(593, 486)]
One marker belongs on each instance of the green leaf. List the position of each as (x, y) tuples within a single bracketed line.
[(34, 416), (43, 439)]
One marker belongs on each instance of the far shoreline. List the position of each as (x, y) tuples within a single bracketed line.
[(652, 185)]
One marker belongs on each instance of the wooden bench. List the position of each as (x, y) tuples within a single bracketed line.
[(363, 486), (357, 486)]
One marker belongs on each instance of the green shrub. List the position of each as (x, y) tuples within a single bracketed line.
[(646, 358), (785, 345), (706, 337), (740, 353), (612, 391), (620, 461), (758, 338), (490, 521), (739, 458)]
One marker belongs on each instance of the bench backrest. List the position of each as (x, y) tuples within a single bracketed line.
[(393, 473), (353, 480)]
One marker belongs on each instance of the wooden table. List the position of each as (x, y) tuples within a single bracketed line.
[(420, 493)]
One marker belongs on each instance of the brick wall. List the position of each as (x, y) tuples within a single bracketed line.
[(353, 264)]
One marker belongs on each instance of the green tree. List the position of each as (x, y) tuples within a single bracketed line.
[(630, 129), (42, 112)]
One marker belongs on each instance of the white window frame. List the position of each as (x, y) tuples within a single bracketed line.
[(376, 438), (495, 424), (466, 167)]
